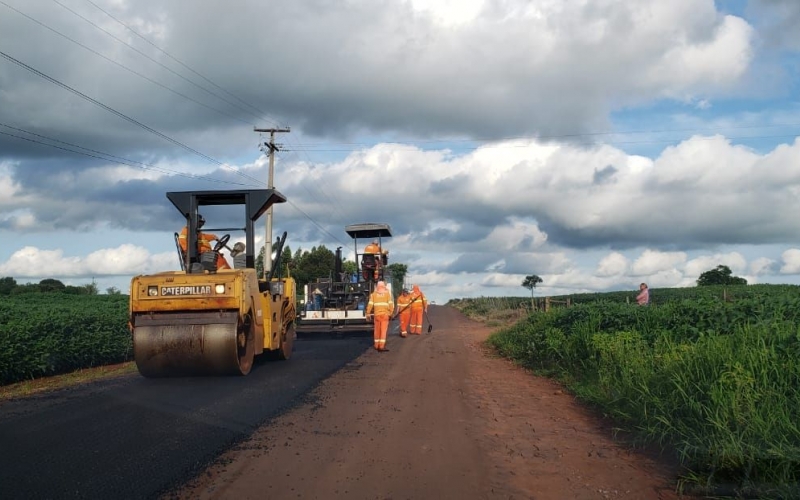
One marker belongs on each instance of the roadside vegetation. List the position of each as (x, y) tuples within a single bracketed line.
[(710, 373), (52, 332)]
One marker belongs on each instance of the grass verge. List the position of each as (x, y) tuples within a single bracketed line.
[(46, 384)]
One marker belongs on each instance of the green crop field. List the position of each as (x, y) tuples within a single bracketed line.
[(713, 375), (50, 333)]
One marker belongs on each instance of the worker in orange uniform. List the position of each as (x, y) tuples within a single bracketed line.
[(419, 306), (203, 242), (374, 249), (379, 309), (404, 311)]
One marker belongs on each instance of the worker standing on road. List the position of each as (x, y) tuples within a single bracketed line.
[(203, 242), (381, 305), (404, 311), (419, 306)]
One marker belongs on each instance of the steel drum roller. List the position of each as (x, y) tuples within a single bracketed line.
[(197, 344)]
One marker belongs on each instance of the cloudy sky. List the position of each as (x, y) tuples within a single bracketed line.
[(596, 143)]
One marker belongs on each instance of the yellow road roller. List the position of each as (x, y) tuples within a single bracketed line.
[(205, 320)]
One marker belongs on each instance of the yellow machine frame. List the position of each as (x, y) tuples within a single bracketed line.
[(208, 321)]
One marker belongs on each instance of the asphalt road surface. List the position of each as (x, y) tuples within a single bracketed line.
[(131, 437)]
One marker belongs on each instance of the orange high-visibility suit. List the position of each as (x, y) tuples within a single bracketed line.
[(404, 312), (382, 305), (203, 245), (419, 306), (374, 272)]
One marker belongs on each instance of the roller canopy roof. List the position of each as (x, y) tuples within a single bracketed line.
[(369, 230), (256, 200)]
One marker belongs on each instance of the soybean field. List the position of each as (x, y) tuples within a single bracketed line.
[(51, 333)]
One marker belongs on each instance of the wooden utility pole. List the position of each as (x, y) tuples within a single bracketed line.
[(271, 147)]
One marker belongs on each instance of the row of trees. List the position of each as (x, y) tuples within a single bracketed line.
[(305, 266), (9, 286), (720, 275), (318, 262)]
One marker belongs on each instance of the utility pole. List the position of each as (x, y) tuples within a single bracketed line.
[(271, 147)]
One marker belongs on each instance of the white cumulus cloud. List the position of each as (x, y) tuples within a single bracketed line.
[(613, 264), (32, 262), (791, 261), (652, 262)]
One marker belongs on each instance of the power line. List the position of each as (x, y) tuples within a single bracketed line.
[(173, 57), (165, 87), (315, 223), (127, 162), (140, 75), (557, 136), (333, 205), (273, 150), (108, 108), (126, 117), (92, 153), (302, 146), (320, 193), (238, 172), (517, 146), (155, 61)]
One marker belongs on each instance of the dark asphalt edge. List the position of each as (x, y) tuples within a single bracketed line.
[(195, 472)]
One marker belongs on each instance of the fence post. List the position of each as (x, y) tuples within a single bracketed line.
[(569, 302), (547, 304)]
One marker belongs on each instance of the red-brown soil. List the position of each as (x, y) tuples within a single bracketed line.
[(439, 417)]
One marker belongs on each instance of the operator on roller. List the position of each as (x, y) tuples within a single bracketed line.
[(419, 306), (203, 242), (382, 305)]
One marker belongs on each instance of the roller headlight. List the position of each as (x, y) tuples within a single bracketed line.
[(152, 291), (219, 288)]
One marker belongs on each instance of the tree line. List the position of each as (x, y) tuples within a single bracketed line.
[(720, 275), (9, 286), (305, 266)]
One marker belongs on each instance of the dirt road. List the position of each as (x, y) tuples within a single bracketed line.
[(435, 417)]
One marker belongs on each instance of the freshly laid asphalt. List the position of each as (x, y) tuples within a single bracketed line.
[(132, 437)]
